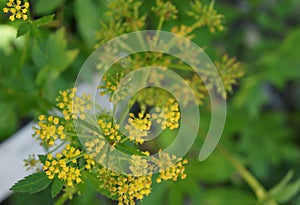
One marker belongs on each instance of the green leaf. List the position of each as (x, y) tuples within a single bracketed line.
[(97, 184), (87, 18), (24, 28), (43, 20), (32, 184), (46, 6), (280, 186), (54, 60), (56, 187), (283, 192), (42, 158)]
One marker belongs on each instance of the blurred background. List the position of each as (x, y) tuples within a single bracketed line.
[(262, 128)]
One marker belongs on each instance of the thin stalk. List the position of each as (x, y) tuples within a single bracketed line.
[(61, 200), (78, 156), (160, 23), (56, 148), (24, 51)]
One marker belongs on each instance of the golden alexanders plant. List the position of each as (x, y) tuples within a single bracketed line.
[(71, 161)]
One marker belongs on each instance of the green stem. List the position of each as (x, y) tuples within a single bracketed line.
[(160, 23), (78, 156), (259, 190), (183, 67), (24, 51), (56, 148), (61, 200)]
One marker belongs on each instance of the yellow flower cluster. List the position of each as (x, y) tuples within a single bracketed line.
[(109, 86), (165, 9), (139, 166), (168, 116), (127, 188), (198, 88), (90, 162), (230, 70), (135, 186), (112, 88), (183, 30), (130, 188), (94, 146), (17, 10), (110, 130), (72, 106), (138, 127), (64, 166), (206, 15), (168, 170), (49, 130)]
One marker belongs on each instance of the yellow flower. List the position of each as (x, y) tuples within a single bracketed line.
[(138, 127), (127, 188), (64, 166), (16, 9), (49, 130), (72, 106), (110, 131), (168, 116), (170, 167)]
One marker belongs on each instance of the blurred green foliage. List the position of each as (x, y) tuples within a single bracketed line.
[(262, 128)]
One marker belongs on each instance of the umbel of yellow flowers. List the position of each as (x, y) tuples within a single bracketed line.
[(16, 9)]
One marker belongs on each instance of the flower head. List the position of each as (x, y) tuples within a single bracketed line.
[(64, 166), (49, 130), (72, 106), (16, 9)]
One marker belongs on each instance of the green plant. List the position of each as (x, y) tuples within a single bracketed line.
[(127, 16)]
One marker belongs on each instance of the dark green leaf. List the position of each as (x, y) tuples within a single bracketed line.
[(43, 20), (87, 16), (54, 60), (32, 184), (46, 6), (23, 28), (56, 187), (42, 158)]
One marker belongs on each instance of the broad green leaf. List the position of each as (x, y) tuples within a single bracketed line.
[(32, 184), (43, 20), (54, 59), (56, 187), (24, 28), (97, 184), (46, 6), (282, 64), (87, 15)]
